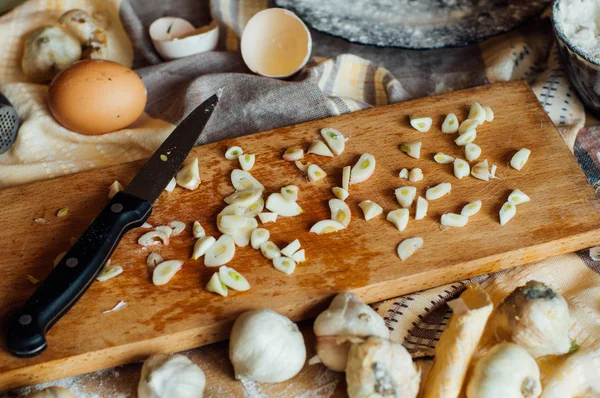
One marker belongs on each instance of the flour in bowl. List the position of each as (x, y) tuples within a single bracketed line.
[(579, 21)]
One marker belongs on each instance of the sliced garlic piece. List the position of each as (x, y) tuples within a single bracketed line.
[(290, 249), (493, 171), (189, 175), (150, 238), (293, 154), (370, 209), (472, 151), (363, 169), (146, 225), (255, 208), (277, 204), (233, 279), (318, 147), (267, 217), (242, 180), (454, 220), (164, 271), (520, 158), (517, 197), (197, 230), (109, 272), (270, 250), (247, 161), (215, 285), (468, 124), (315, 173), (477, 113), (231, 221), (201, 246), (405, 196), (438, 191), (422, 124), (290, 192), (231, 210), (507, 212), (221, 252), (408, 247), (346, 177), (415, 175), (450, 125), (412, 149), (301, 166), (241, 236), (233, 152), (489, 113), (334, 139), (153, 260), (340, 211), (466, 138), (258, 237), (177, 227), (299, 256), (442, 158), (422, 206), (340, 193), (165, 229), (244, 198), (404, 174), (114, 188), (461, 168), (284, 264), (480, 171), (399, 218), (326, 227), (171, 185), (471, 209)]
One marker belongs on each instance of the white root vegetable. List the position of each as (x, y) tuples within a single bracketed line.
[(489, 114), (480, 171), (520, 158), (346, 177), (340, 211), (315, 173), (454, 220), (244, 198), (472, 152), (471, 209), (461, 168), (177, 227), (442, 158), (466, 138), (450, 125), (415, 175), (405, 196), (576, 377), (408, 247), (293, 154), (150, 238), (234, 152), (506, 371), (326, 227), (363, 169), (334, 139), (301, 166), (412, 149), (284, 264), (267, 217), (164, 271), (318, 147), (114, 188), (171, 376), (215, 285), (278, 204), (438, 191), (299, 256), (220, 252), (404, 174), (421, 210), (380, 368), (153, 260), (109, 271), (233, 279), (399, 218), (270, 250), (421, 124), (202, 245), (198, 230), (340, 193), (477, 113), (265, 346), (258, 237), (247, 161), (189, 175), (242, 180), (370, 209), (507, 212), (52, 392), (171, 185), (290, 192), (517, 197), (467, 125), (291, 248)]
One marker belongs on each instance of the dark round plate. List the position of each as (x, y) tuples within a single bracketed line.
[(415, 24)]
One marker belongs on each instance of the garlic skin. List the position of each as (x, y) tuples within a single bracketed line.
[(381, 368), (166, 376), (536, 317), (506, 371), (265, 346)]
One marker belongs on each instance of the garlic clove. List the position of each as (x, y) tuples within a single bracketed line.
[(233, 152), (334, 139), (247, 161), (293, 154), (408, 247), (493, 171), (164, 271), (299, 256), (146, 225), (370, 209), (270, 250), (489, 113), (454, 220), (450, 125), (326, 227), (150, 238), (232, 209), (153, 260), (471, 209), (315, 173), (189, 175), (438, 191), (201, 246), (480, 171), (290, 192), (242, 180), (244, 198), (340, 193), (267, 217), (231, 221), (422, 124), (233, 279), (215, 285), (318, 147), (284, 264), (177, 227), (171, 185), (346, 177), (165, 229), (477, 113), (472, 151), (520, 158), (507, 212), (468, 124), (109, 272), (415, 175), (461, 168), (255, 208), (290, 249), (220, 252), (404, 174), (114, 188), (405, 196), (517, 197), (412, 149), (340, 211), (277, 204), (422, 206), (442, 158), (399, 218), (363, 169), (466, 138), (301, 166), (241, 236), (258, 237)]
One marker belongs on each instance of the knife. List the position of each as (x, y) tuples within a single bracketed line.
[(73, 275)]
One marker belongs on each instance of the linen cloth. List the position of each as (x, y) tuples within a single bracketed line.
[(341, 77)]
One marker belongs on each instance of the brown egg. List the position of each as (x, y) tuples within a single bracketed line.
[(96, 97)]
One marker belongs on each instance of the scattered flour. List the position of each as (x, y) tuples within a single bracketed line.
[(579, 21)]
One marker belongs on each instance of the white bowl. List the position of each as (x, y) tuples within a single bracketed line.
[(177, 38)]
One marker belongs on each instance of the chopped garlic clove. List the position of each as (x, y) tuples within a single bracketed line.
[(471, 209), (247, 161), (340, 211), (146, 225), (399, 218), (301, 166), (299, 256), (293, 154), (201, 246), (520, 158), (466, 138), (197, 230), (318, 147), (221, 252), (472, 151), (415, 175), (277, 204), (258, 237), (489, 113), (363, 169), (233, 279), (109, 272), (480, 171), (412, 149), (153, 260), (270, 250), (334, 139), (405, 196), (340, 193), (242, 180), (231, 221), (517, 197), (326, 227), (422, 124), (150, 238), (114, 188), (244, 198), (267, 217), (408, 247), (231, 210), (290, 249), (315, 173), (255, 208), (215, 285), (189, 175), (404, 174), (493, 171), (165, 229), (284, 264), (507, 212), (164, 271), (177, 227), (233, 152), (454, 220), (438, 191), (477, 113), (466, 125), (171, 185), (370, 209), (346, 177), (461, 168), (442, 158), (450, 125), (290, 192), (422, 206), (241, 236)]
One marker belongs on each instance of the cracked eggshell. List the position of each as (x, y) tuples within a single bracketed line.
[(175, 38), (340, 211), (363, 169), (285, 208)]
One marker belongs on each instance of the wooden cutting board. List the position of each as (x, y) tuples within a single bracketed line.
[(563, 216)]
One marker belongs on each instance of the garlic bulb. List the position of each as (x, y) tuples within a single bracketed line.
[(506, 371), (536, 317), (381, 368), (166, 376), (266, 347), (347, 315), (52, 392), (576, 377)]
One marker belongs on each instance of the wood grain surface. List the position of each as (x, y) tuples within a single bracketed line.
[(563, 216)]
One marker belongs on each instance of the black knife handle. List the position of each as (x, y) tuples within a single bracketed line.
[(73, 275)]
